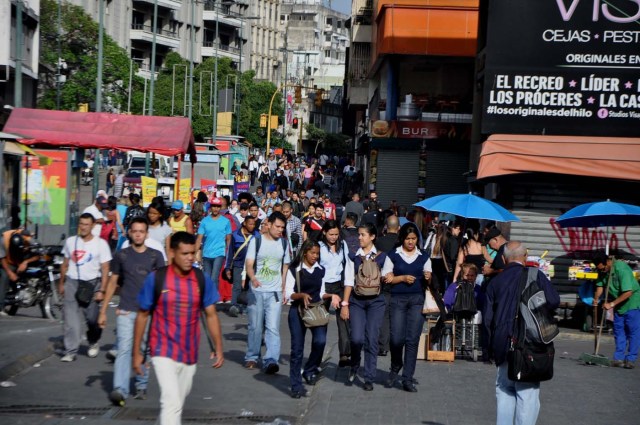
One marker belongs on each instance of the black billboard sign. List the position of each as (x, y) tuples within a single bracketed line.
[(563, 67)]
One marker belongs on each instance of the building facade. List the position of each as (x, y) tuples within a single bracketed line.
[(19, 48), (265, 39)]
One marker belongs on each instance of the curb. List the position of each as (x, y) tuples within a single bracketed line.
[(582, 336), (25, 361)]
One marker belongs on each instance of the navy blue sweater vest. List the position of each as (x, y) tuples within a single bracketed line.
[(400, 267), (310, 283)]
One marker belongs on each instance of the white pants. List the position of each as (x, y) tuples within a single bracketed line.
[(175, 381)]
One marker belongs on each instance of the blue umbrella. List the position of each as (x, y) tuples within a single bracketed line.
[(600, 214), (467, 206)]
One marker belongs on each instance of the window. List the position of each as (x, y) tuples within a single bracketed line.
[(339, 24), (327, 36), (327, 54), (329, 21)]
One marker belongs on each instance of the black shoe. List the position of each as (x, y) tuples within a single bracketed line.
[(352, 373), (116, 398), (344, 361), (391, 379), (368, 386), (298, 394), (629, 365), (310, 379), (617, 363), (272, 369), (409, 387), (382, 353)]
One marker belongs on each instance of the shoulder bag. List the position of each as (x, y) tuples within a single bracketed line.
[(528, 361), (86, 288), (315, 314)]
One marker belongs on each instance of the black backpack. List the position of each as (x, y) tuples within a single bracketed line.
[(350, 236), (465, 303), (132, 212)]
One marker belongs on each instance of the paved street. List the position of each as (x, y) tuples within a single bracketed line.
[(449, 393)]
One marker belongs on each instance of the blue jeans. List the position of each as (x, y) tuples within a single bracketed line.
[(516, 399), (212, 267), (626, 329), (264, 312), (125, 324), (365, 316), (406, 327), (237, 286), (318, 342)]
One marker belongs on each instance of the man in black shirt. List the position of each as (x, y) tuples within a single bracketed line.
[(494, 239), (132, 264)]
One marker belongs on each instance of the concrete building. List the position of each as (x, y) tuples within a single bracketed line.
[(266, 40), (27, 47)]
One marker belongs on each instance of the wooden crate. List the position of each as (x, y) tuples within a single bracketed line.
[(442, 356)]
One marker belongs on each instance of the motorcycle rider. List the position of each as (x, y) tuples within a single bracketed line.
[(14, 254)]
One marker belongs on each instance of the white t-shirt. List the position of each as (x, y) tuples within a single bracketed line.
[(149, 243), (97, 215), (86, 257), (160, 233), (269, 263)]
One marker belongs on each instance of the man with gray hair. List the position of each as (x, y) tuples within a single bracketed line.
[(516, 400)]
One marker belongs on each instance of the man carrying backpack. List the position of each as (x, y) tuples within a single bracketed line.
[(515, 399), (176, 299), (133, 211), (267, 263)]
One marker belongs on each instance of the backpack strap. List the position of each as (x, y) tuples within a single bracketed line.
[(160, 279), (258, 239), (517, 337)]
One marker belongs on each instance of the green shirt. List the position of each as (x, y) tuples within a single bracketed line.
[(623, 280)]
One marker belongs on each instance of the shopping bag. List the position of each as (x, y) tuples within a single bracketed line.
[(430, 306)]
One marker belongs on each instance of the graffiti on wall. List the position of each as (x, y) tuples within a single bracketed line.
[(591, 238)]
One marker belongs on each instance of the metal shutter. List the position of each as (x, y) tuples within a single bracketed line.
[(445, 172), (397, 177)]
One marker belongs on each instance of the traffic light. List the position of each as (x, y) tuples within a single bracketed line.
[(263, 120), (83, 107), (318, 101), (298, 95), (294, 123)]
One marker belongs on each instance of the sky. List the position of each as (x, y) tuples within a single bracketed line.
[(343, 6)]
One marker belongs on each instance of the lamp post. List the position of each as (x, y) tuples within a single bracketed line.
[(96, 159), (153, 77), (130, 81)]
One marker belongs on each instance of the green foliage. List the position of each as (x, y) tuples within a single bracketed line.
[(314, 133), (330, 142), (79, 49)]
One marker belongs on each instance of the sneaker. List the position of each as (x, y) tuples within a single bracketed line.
[(68, 358), (628, 365), (141, 395), (344, 361), (368, 386), (111, 355), (352, 373), (272, 369), (617, 363), (116, 398), (234, 311), (4, 313), (93, 350), (250, 364), (409, 387)]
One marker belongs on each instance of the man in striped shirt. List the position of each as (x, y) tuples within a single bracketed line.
[(174, 334)]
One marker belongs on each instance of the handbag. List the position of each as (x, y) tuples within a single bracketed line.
[(528, 361), (86, 288), (315, 314)]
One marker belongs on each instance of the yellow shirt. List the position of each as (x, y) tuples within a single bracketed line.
[(178, 225)]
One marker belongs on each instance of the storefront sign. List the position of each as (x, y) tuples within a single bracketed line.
[(562, 67), (149, 189), (418, 130), (183, 189)]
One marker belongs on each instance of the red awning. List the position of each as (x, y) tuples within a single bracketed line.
[(606, 157), (100, 130)]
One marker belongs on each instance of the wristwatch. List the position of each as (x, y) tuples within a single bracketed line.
[(344, 303)]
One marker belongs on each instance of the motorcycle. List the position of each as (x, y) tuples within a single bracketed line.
[(86, 176), (38, 284)]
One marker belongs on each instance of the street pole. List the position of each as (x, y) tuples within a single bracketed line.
[(237, 106), (153, 76), (17, 101), (193, 21), (269, 122), (130, 78), (58, 83), (215, 83), (96, 159)]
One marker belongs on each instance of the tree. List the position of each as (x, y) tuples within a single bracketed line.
[(79, 50), (331, 142)]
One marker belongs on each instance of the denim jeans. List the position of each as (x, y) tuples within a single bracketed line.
[(125, 324), (519, 400), (626, 329), (406, 327), (318, 342), (264, 312), (365, 316), (212, 267), (237, 286)]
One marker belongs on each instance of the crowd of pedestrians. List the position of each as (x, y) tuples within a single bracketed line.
[(285, 243)]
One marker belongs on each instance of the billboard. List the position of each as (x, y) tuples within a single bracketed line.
[(562, 67)]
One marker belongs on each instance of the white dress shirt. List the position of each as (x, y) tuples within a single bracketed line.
[(332, 263), (359, 253), (290, 284), (407, 259)]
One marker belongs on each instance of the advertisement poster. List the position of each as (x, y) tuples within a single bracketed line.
[(45, 187), (240, 187), (207, 185), (573, 68), (183, 190), (149, 189)]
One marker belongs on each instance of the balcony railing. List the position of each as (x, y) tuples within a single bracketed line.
[(223, 47), (149, 29)]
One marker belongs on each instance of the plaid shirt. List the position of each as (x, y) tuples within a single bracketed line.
[(294, 225)]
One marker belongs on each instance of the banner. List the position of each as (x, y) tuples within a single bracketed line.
[(207, 185), (46, 187), (420, 130), (184, 190), (149, 190), (240, 187)]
